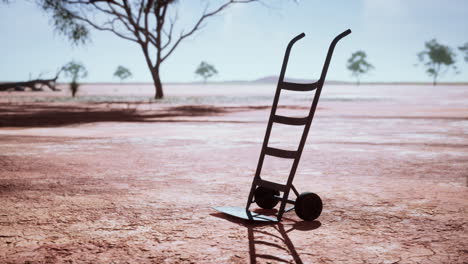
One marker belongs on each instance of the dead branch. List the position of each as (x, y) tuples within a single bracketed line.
[(34, 85)]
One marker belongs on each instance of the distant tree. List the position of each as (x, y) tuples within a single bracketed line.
[(122, 73), (74, 70), (205, 70), (464, 49), (358, 65), (437, 58)]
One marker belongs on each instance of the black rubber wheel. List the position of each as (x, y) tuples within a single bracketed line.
[(308, 206), (265, 198)]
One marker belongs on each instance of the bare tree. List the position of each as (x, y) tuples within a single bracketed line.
[(148, 23)]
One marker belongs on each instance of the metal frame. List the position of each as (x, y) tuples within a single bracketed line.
[(306, 121)]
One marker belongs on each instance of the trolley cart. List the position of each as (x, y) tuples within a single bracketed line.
[(267, 194)]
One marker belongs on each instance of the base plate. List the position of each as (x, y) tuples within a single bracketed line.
[(245, 214)]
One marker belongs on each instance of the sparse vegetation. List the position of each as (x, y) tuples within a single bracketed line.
[(437, 58), (358, 65), (74, 70), (206, 71), (122, 73), (464, 49)]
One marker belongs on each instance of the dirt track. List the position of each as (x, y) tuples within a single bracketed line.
[(115, 185)]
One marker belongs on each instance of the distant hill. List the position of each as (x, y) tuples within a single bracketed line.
[(274, 79), (271, 79)]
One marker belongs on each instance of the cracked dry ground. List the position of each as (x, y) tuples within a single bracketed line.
[(394, 190)]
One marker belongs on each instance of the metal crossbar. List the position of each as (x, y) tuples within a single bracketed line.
[(300, 87), (280, 153), (293, 121)]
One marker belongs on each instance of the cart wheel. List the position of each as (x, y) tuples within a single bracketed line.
[(308, 206), (265, 198)]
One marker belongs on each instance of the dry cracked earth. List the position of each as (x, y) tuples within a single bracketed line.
[(90, 183)]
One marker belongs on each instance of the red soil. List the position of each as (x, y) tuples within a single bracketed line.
[(96, 183)]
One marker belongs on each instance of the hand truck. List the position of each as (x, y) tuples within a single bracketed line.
[(266, 194)]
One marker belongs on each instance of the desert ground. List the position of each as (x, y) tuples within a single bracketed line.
[(115, 177)]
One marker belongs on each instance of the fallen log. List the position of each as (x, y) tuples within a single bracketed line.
[(34, 85)]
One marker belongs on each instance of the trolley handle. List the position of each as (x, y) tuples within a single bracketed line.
[(296, 38), (286, 55), (342, 35), (329, 55)]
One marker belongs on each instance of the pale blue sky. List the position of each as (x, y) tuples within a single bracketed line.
[(247, 42)]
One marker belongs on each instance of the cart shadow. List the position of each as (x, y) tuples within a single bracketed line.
[(271, 237)]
